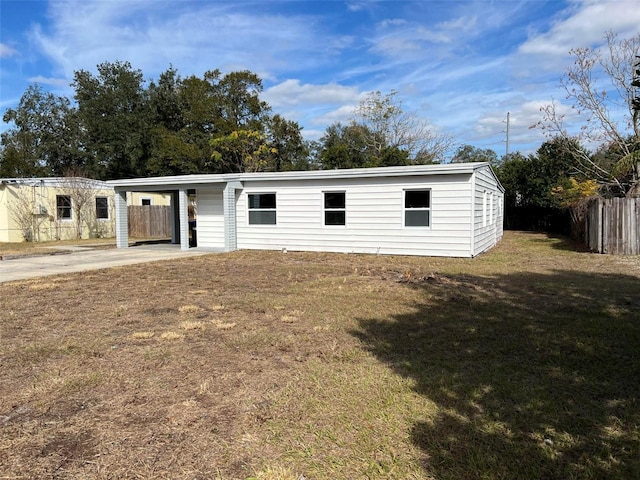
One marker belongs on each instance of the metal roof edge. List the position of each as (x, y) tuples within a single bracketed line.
[(176, 180), (53, 181)]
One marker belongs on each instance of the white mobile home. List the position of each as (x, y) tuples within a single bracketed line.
[(453, 210)]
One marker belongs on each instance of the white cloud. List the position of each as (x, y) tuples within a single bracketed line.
[(293, 92), (312, 133), (341, 114), (314, 105), (6, 51), (584, 24), (356, 6), (393, 22), (56, 82), (464, 23)]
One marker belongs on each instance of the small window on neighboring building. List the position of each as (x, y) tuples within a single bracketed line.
[(102, 208), (334, 208), (262, 209), (145, 201), (417, 208), (63, 207)]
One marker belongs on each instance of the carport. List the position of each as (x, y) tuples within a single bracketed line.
[(218, 209)]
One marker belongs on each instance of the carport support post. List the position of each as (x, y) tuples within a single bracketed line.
[(229, 208), (183, 217), (122, 219)]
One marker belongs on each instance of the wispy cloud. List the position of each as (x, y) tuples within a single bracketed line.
[(461, 64), (584, 24), (6, 51), (293, 92), (57, 82), (202, 37)]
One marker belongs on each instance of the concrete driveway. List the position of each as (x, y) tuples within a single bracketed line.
[(78, 259)]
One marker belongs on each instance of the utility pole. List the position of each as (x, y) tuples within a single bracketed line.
[(508, 118)]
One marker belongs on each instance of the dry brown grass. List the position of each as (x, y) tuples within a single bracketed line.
[(521, 363), (47, 248)]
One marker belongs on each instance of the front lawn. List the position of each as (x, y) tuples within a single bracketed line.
[(521, 363)]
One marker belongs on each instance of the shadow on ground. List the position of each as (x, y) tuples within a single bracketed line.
[(535, 376)]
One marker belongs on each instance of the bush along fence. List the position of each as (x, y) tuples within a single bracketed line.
[(149, 221), (613, 226)]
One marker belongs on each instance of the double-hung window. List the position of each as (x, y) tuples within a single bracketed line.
[(102, 208), (335, 212), (63, 207), (262, 209), (417, 208)]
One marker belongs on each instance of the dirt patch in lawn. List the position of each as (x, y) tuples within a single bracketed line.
[(519, 363)]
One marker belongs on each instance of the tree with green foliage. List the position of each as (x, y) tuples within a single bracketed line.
[(242, 151), (381, 133), (189, 113), (469, 153), (529, 181), (348, 146), (123, 127), (181, 112), (343, 146), (44, 139), (238, 105), (290, 150), (113, 109)]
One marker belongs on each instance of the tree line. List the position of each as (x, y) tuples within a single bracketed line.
[(117, 125)]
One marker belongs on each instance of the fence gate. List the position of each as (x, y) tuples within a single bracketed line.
[(149, 221), (613, 226)]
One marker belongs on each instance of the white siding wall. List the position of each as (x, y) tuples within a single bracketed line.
[(210, 219), (374, 217), (489, 210)]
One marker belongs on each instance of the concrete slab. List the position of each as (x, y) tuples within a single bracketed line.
[(79, 259)]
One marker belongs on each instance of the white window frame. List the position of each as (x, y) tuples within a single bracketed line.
[(108, 217), (70, 207), (249, 209), (332, 209), (148, 199), (406, 209)]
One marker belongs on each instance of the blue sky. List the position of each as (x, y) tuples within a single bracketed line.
[(460, 65)]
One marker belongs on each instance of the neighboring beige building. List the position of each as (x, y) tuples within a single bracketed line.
[(61, 208), (148, 198)]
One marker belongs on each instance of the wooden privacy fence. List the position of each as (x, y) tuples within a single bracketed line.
[(149, 221), (613, 226)]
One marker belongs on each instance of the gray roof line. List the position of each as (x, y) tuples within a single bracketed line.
[(437, 169)]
